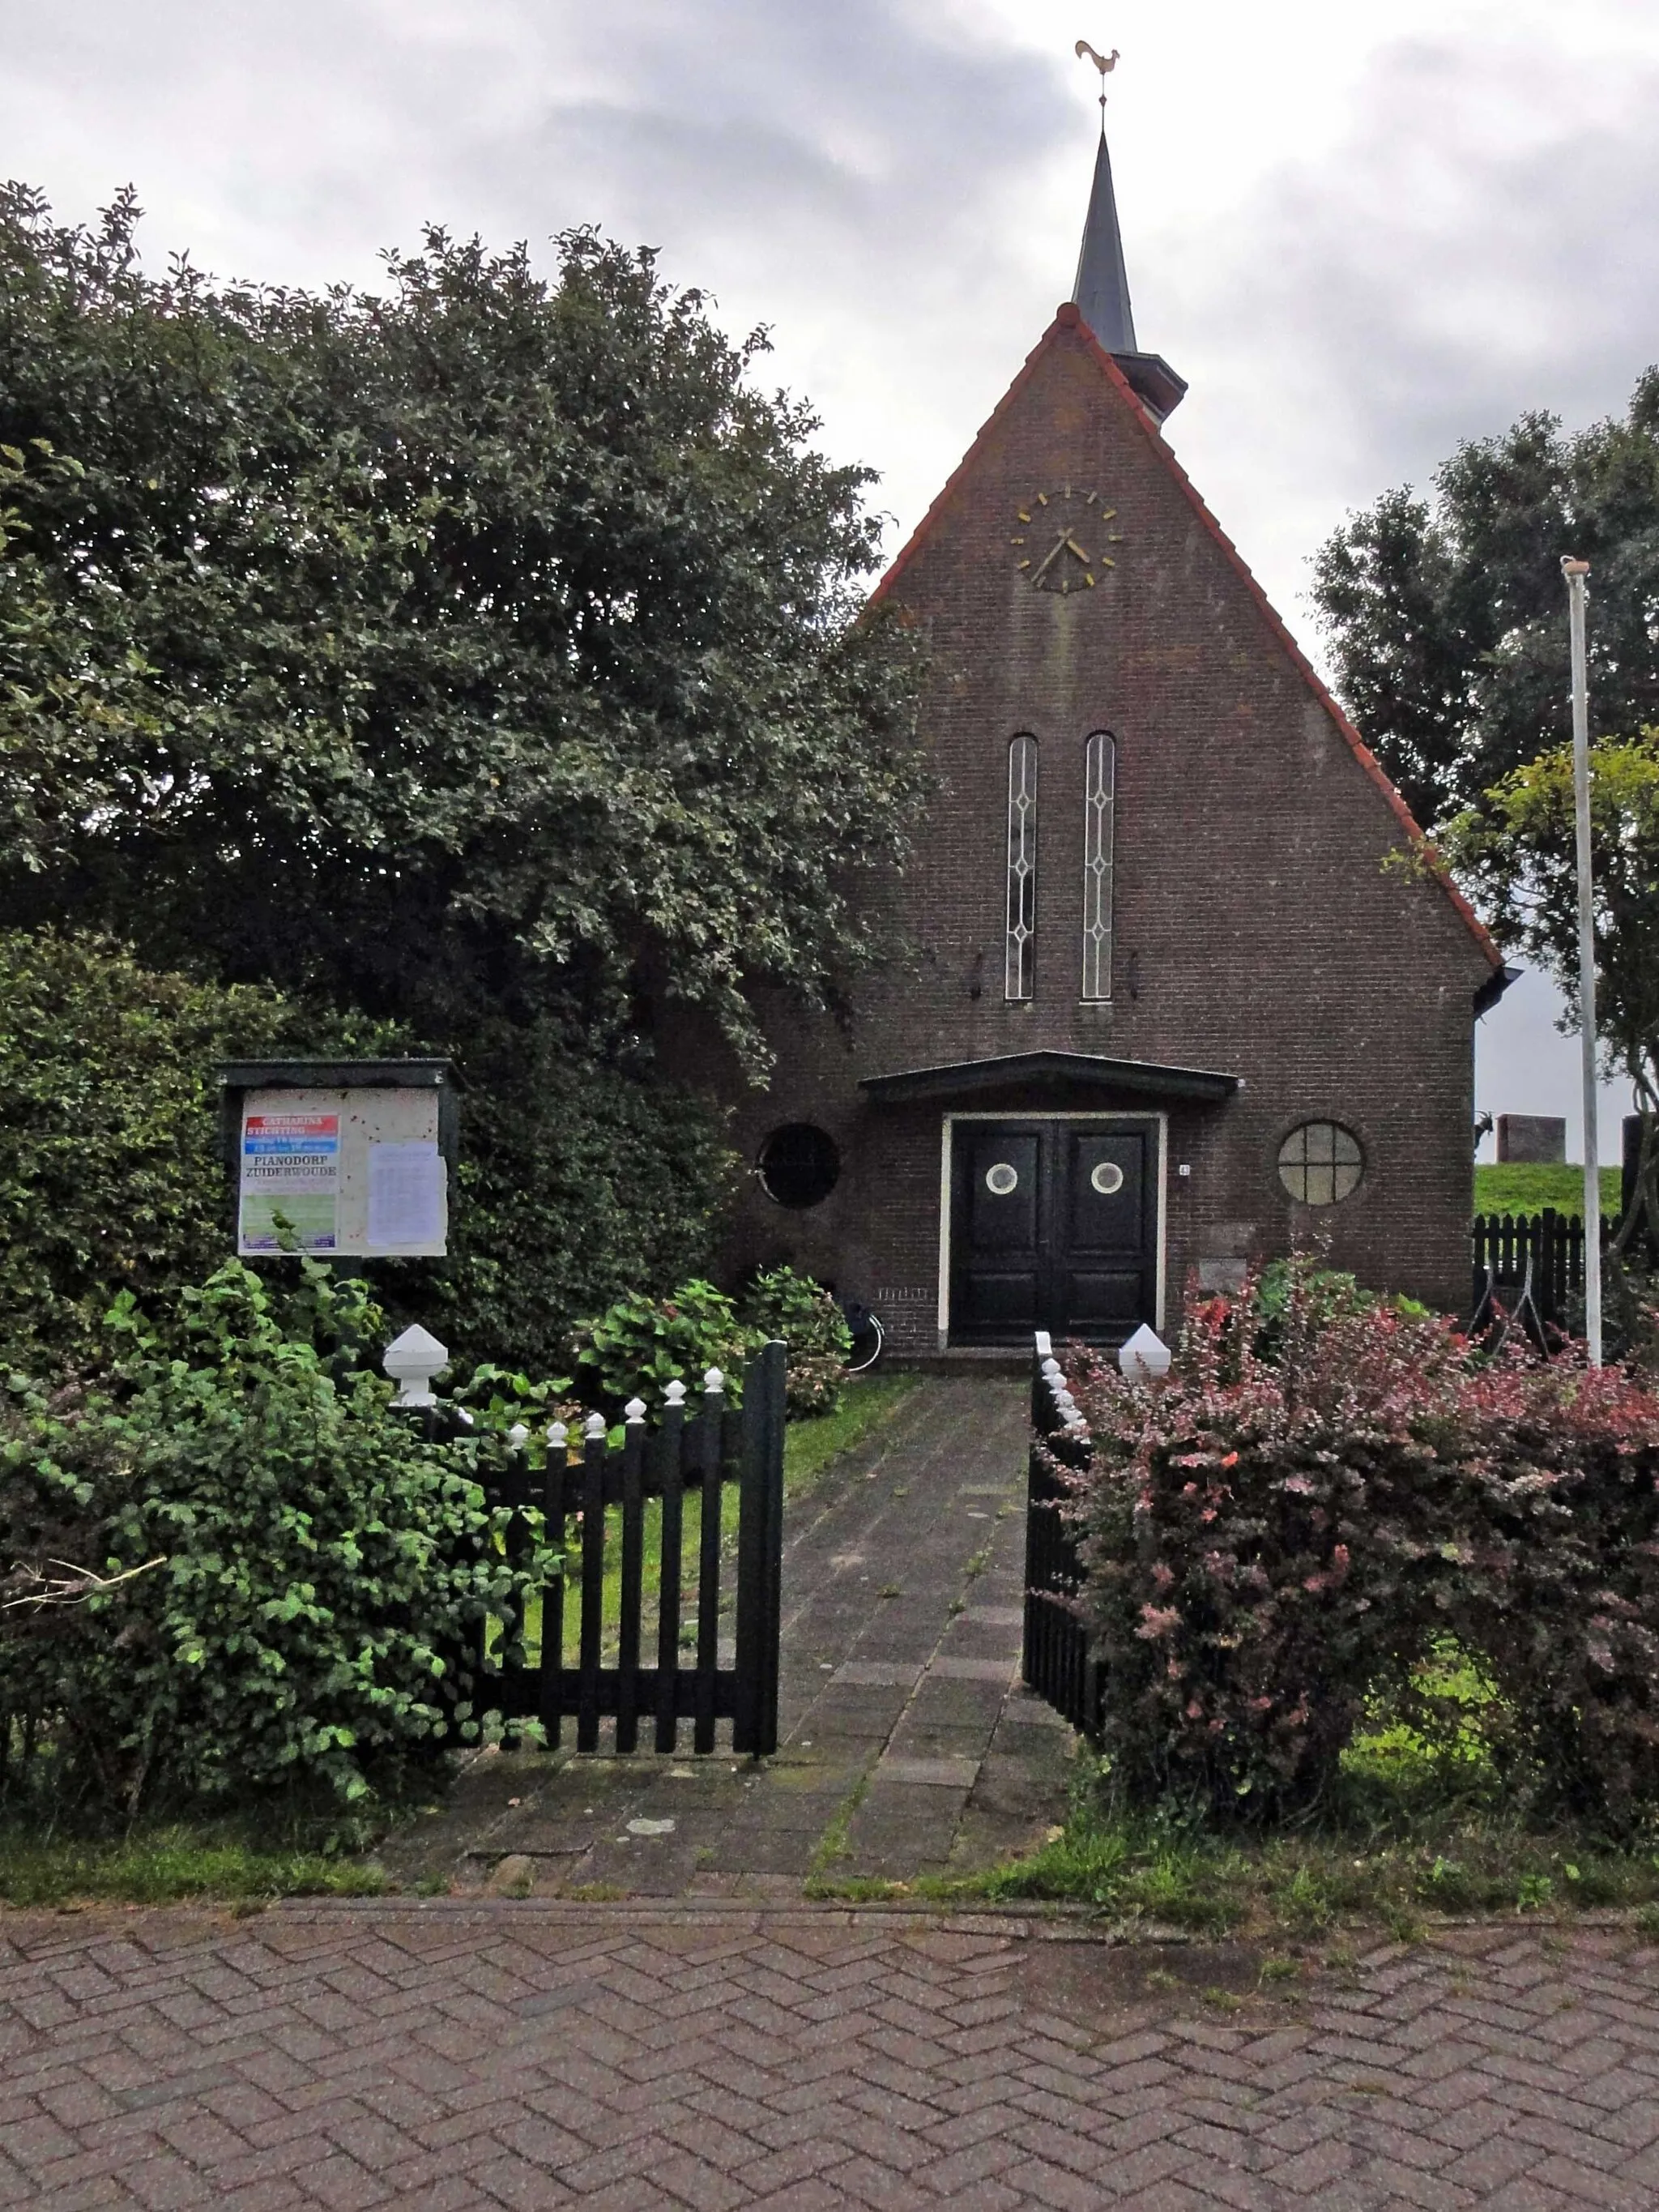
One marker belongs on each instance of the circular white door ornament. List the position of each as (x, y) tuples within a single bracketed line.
[(1108, 1178), (1001, 1180)]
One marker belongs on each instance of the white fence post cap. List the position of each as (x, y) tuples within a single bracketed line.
[(1146, 1356), (713, 1379), (593, 1425), (411, 1360), (675, 1394), (633, 1410)]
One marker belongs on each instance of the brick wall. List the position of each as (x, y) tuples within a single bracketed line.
[(1258, 932)]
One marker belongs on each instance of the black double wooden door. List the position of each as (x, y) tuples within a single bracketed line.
[(1054, 1225)]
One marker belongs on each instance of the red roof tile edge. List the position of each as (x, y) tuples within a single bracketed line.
[(1067, 318)]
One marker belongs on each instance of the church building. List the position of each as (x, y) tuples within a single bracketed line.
[(1172, 1005)]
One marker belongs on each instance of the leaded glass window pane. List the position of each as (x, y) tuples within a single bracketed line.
[(1099, 801), (1021, 951), (1321, 1163)]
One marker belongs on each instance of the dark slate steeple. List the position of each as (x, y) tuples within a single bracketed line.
[(1101, 291)]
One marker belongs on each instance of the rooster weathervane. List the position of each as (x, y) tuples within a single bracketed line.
[(1105, 63)]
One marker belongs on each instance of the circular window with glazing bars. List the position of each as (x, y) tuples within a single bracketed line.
[(798, 1165), (1321, 1163)]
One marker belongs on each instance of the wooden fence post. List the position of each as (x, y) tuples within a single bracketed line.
[(709, 1434), (670, 1445), (550, 1702), (633, 1570), (595, 1450), (760, 1548)]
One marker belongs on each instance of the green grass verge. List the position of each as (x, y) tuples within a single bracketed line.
[(1515, 1188), (1416, 1831), (167, 1864)]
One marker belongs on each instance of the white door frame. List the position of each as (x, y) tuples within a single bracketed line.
[(1161, 1120)]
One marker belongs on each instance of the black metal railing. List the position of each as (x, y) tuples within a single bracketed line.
[(1056, 1661)]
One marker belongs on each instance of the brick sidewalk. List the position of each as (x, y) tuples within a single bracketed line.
[(494, 2055)]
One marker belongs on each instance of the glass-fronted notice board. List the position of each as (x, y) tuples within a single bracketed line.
[(342, 1170)]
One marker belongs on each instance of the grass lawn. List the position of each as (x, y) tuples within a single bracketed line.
[(1514, 1187), (166, 1863), (248, 1858)]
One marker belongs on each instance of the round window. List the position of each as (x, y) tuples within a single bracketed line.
[(799, 1164), (1106, 1179), (1321, 1163), (1002, 1181)]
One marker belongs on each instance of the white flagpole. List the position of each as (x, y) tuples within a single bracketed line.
[(1574, 571)]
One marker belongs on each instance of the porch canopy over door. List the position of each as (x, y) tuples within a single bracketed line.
[(1054, 1208), (1088, 1070)]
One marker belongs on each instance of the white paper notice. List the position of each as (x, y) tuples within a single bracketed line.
[(406, 1194)]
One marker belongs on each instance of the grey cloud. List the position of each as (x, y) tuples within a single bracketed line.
[(1479, 245)]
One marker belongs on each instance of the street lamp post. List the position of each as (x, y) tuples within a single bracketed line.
[(1574, 571)]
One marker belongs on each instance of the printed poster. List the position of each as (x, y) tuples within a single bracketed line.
[(290, 1182)]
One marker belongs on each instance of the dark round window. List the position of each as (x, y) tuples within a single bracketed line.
[(799, 1164)]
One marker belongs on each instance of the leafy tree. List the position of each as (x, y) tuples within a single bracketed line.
[(1446, 616), (1516, 851), (486, 644)]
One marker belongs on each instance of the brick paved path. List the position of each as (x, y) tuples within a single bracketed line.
[(497, 2055), (908, 1745)]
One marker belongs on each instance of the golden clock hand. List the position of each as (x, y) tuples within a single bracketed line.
[(1084, 557), (1053, 553)]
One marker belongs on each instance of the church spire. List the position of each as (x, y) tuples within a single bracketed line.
[(1101, 293), (1102, 290)]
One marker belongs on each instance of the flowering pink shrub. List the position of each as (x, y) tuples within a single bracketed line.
[(1267, 1546)]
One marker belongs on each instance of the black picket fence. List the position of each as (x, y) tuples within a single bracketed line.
[(601, 1592), (1532, 1266), (1056, 1661)]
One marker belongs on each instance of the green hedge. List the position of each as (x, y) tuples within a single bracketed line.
[(580, 1182), (109, 1173), (295, 1577)]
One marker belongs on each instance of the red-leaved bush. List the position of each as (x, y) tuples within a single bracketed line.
[(1269, 1545)]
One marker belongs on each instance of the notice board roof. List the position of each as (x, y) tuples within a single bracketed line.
[(336, 1074)]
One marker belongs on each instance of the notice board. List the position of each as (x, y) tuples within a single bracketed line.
[(341, 1170)]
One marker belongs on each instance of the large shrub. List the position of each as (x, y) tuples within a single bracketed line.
[(639, 1345), (1259, 1542), (1272, 1545), (1557, 1581), (782, 1303), (315, 1574)]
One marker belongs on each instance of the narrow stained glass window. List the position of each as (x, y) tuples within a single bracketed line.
[(1099, 799), (1021, 960)]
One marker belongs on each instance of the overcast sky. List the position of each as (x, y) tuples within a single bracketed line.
[(1363, 231)]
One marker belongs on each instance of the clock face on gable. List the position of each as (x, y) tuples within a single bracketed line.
[(1063, 539)]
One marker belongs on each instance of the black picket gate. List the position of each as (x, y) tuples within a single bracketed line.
[(1056, 1661), (696, 1454)]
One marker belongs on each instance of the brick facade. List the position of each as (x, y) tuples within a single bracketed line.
[(1259, 928)]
